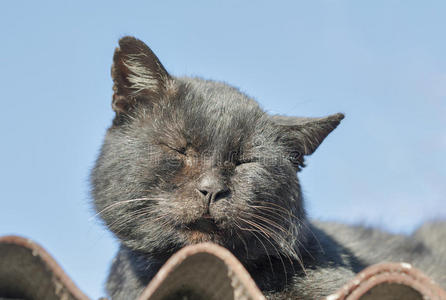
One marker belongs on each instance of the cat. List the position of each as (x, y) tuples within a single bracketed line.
[(189, 160)]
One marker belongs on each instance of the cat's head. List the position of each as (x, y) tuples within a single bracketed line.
[(189, 160)]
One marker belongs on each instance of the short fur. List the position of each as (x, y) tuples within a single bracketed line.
[(189, 160)]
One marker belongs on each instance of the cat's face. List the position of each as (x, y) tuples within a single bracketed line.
[(189, 161)]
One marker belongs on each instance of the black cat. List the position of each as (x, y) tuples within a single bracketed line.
[(189, 160)]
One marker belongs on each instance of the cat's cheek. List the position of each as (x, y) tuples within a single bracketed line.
[(246, 179), (220, 210), (244, 167)]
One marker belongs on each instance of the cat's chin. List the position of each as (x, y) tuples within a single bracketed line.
[(196, 236)]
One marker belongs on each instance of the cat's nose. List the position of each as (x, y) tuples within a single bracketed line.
[(212, 189)]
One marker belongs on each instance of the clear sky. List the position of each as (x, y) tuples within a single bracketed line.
[(382, 63)]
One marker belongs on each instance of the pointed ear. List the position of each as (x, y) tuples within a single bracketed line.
[(302, 136), (137, 74)]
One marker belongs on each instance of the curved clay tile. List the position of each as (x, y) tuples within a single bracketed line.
[(203, 271)]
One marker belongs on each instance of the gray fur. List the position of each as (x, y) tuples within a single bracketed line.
[(172, 137)]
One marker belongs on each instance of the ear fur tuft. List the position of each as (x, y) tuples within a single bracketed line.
[(137, 75)]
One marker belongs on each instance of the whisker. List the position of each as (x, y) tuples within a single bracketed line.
[(278, 253), (260, 228), (121, 222), (120, 203), (244, 243), (314, 236), (263, 245), (268, 221), (279, 240), (273, 211), (276, 206)]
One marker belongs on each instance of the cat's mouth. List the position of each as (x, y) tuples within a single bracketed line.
[(205, 224), (204, 229)]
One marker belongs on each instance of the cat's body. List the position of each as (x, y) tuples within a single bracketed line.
[(190, 160), (340, 252)]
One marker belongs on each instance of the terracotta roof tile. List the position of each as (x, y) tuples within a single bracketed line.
[(203, 271)]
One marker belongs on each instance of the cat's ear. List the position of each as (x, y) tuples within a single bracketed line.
[(137, 74), (302, 136)]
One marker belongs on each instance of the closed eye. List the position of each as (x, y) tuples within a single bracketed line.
[(243, 161), (243, 158), (179, 150)]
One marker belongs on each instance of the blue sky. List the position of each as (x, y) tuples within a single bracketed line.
[(382, 63)]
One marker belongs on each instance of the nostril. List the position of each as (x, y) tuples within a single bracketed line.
[(221, 194), (203, 192), (212, 197)]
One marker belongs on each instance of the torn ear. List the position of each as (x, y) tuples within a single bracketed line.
[(302, 136), (137, 74)]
